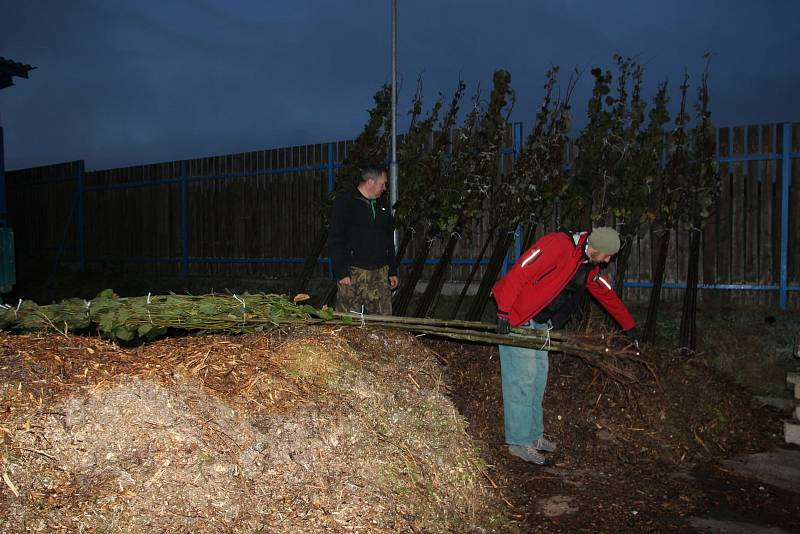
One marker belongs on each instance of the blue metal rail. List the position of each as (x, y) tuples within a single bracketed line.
[(728, 287)]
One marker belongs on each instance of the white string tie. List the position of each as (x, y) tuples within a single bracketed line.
[(148, 297), (244, 315), (17, 308), (360, 314), (547, 341)]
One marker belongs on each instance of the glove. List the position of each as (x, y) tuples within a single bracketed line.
[(502, 325)]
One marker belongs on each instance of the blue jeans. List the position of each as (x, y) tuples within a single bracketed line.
[(524, 377)]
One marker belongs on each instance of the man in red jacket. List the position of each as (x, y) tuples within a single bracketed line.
[(541, 291)]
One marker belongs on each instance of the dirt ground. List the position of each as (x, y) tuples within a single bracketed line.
[(647, 460), (362, 430)]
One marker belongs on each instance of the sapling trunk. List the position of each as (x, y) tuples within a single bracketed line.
[(502, 244), (529, 237), (402, 297), (649, 333), (437, 279), (621, 260), (408, 234), (688, 332), (471, 276), (621, 268)]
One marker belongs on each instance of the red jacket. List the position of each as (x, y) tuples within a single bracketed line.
[(542, 272)]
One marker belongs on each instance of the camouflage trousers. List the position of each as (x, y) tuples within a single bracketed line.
[(368, 288)]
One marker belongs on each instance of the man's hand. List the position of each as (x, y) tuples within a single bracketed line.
[(502, 325), (346, 281), (393, 281)]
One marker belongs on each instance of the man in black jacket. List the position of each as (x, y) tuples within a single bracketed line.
[(361, 246)]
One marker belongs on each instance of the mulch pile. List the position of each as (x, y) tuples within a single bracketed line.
[(322, 429)]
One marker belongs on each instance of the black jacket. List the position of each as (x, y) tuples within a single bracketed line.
[(361, 234)]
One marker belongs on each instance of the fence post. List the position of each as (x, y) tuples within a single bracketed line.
[(81, 192), (785, 182), (330, 168), (184, 219)]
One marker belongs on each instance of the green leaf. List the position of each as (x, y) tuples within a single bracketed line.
[(308, 309), (326, 314), (124, 333), (106, 294), (156, 332), (207, 308), (106, 323)]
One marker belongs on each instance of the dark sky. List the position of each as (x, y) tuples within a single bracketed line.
[(127, 82)]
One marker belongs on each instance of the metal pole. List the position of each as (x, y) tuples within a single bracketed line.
[(393, 166), (785, 181), (517, 151), (184, 177), (331, 183), (81, 192)]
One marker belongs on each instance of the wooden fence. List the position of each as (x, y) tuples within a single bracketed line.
[(256, 215)]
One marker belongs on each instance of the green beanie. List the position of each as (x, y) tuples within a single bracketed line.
[(604, 239)]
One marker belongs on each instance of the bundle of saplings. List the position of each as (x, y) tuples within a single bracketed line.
[(148, 317)]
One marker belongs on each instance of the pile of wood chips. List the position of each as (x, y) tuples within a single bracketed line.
[(336, 429)]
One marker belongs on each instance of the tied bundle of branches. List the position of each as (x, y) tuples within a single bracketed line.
[(149, 317), (612, 354)]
